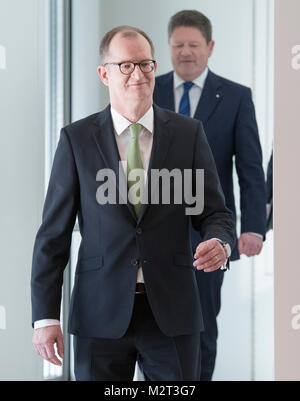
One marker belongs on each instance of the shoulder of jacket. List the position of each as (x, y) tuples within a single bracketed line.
[(229, 84)]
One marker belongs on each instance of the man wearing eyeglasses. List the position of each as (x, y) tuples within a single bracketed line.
[(135, 294)]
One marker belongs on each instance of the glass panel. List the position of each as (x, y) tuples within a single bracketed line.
[(57, 57)]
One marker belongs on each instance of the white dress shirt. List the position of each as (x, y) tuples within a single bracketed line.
[(122, 136), (194, 93)]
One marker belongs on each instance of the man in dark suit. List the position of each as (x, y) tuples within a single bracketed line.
[(135, 294), (227, 113)]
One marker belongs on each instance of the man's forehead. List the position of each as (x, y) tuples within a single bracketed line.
[(126, 40), (186, 32), (129, 37)]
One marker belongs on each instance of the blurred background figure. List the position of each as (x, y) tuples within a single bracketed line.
[(227, 112)]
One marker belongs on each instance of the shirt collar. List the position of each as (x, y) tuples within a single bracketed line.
[(199, 81), (121, 123)]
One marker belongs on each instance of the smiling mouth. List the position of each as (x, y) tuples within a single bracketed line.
[(138, 84)]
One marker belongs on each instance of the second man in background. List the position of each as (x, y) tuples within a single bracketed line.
[(227, 112)]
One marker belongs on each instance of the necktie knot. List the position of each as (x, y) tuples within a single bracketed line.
[(187, 86), (135, 130)]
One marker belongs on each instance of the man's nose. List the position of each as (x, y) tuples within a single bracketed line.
[(137, 73), (186, 50)]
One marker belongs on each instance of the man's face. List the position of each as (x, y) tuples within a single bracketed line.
[(133, 88), (189, 52)]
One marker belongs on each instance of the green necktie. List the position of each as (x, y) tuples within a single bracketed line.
[(134, 161)]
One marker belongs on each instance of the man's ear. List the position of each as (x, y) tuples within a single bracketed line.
[(211, 46), (102, 72)]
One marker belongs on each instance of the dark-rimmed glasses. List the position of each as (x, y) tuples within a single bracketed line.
[(127, 67)]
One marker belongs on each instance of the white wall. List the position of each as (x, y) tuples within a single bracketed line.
[(86, 34), (245, 322), (21, 176)]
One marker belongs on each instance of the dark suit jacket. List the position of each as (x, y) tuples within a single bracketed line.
[(114, 241), (228, 116), (269, 189)]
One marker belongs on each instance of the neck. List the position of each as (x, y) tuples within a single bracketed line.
[(133, 112)]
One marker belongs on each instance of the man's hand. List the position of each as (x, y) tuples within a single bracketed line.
[(44, 339), (210, 255), (250, 244)]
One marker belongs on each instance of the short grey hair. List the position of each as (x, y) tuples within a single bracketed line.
[(191, 18)]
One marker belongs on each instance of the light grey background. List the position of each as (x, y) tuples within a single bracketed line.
[(22, 132)]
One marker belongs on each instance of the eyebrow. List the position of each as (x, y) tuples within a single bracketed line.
[(131, 61), (190, 42)]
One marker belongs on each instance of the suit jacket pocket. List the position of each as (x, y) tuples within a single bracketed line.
[(89, 264), (181, 259)]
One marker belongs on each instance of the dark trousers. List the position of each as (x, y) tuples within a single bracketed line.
[(160, 357), (209, 285)]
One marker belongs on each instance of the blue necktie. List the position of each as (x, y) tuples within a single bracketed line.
[(184, 107)]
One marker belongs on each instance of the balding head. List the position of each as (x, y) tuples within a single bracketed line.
[(123, 31)]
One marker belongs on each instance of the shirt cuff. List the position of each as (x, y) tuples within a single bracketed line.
[(225, 266), (46, 322), (257, 235)]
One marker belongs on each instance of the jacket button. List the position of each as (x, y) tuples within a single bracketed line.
[(139, 230), (134, 262)]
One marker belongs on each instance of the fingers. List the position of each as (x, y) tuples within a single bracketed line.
[(241, 245), (249, 244), (47, 352), (211, 265), (45, 339), (210, 256), (50, 353), (40, 351), (205, 247), (60, 347), (250, 251)]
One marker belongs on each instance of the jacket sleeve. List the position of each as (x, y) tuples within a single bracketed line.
[(248, 159), (53, 240), (269, 183), (216, 219)]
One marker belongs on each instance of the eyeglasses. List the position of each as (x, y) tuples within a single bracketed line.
[(127, 67)]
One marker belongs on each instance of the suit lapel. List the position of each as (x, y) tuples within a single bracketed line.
[(167, 95), (106, 143), (210, 97)]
